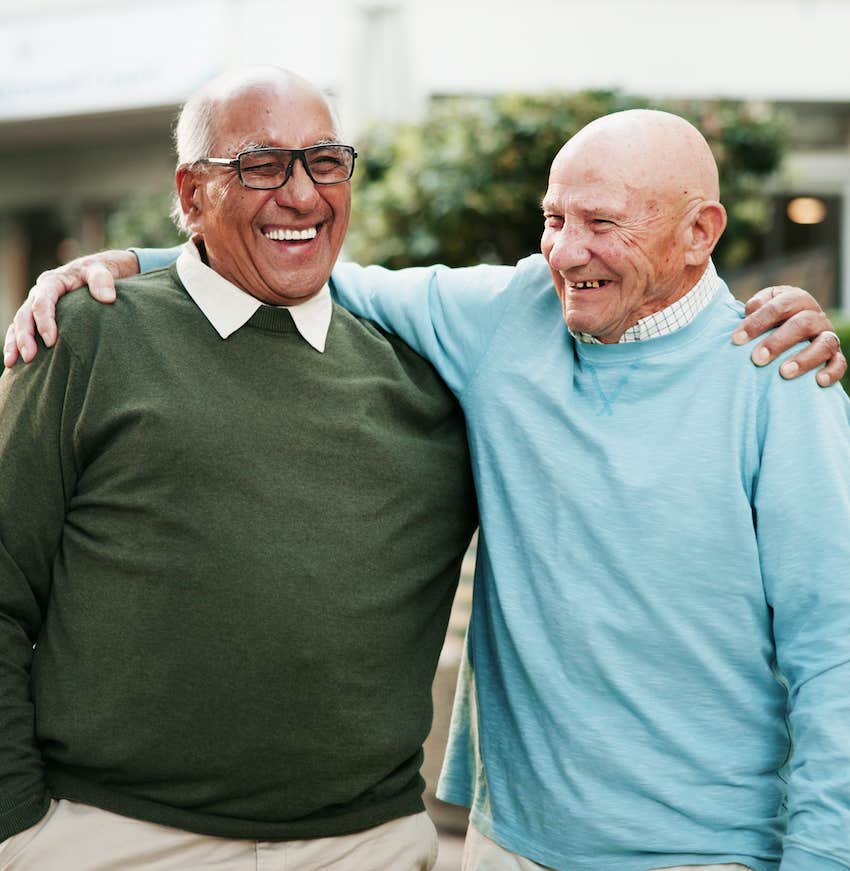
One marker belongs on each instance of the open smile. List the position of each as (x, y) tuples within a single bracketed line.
[(291, 234), (588, 285)]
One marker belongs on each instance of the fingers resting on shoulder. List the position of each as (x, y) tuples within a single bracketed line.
[(797, 317), (38, 311)]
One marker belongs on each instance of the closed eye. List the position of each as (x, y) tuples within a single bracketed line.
[(264, 168), (325, 164)]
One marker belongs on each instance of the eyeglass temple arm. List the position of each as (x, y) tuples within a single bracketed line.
[(221, 161)]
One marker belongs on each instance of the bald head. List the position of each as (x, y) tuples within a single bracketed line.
[(632, 216), (657, 153), (238, 81), (197, 126)]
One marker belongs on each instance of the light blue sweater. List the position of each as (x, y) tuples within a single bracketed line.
[(662, 577)]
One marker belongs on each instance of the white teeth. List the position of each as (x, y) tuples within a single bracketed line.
[(291, 235)]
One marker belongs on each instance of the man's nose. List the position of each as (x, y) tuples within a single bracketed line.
[(570, 248), (299, 191)]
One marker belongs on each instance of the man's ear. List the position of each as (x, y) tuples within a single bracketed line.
[(706, 228), (190, 194)]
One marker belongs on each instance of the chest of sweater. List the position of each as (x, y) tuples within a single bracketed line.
[(637, 436), (630, 483), (263, 416), (259, 450)]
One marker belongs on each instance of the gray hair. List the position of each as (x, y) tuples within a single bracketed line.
[(194, 132), (193, 138)]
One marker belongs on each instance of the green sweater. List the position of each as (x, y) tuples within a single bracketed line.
[(236, 561)]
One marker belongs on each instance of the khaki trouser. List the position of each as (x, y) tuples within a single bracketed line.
[(482, 854), (78, 837)]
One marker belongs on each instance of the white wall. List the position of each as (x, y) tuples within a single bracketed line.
[(70, 56), (752, 48)]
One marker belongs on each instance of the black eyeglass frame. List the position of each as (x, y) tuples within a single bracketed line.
[(295, 154)]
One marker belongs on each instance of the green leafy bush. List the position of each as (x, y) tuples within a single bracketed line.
[(143, 221)]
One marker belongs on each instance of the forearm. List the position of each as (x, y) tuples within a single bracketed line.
[(23, 794), (818, 835), (23, 589)]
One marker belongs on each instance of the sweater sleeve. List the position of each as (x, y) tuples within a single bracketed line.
[(156, 258), (37, 411), (446, 315), (802, 511)]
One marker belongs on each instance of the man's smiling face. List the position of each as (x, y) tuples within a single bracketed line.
[(278, 245), (631, 217), (613, 248)]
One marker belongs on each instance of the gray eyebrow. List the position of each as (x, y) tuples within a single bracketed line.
[(248, 146)]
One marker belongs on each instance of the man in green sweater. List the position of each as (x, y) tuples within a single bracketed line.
[(231, 524)]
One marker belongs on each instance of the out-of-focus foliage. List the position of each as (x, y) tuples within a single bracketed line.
[(143, 221), (748, 142), (465, 185)]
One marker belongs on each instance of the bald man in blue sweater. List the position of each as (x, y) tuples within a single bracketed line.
[(658, 667)]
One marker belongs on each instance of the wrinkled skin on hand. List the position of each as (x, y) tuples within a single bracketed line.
[(98, 271), (797, 317)]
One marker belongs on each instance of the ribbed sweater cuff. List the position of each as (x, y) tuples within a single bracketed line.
[(22, 815)]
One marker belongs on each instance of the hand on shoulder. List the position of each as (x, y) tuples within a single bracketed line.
[(38, 311)]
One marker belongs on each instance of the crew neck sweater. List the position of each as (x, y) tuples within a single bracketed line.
[(659, 647), (236, 561)]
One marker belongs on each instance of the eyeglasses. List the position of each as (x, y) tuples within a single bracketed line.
[(269, 168)]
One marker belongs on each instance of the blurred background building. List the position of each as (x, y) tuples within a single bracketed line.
[(89, 90)]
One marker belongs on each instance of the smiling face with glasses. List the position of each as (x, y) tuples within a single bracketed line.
[(273, 217), (265, 169)]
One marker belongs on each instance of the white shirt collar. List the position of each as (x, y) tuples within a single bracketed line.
[(228, 307), (677, 315)]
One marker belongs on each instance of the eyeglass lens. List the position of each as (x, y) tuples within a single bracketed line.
[(325, 164)]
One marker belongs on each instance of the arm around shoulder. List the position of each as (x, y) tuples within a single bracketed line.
[(156, 258), (446, 315), (38, 312)]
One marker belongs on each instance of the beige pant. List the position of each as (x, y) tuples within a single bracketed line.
[(482, 854), (78, 837)]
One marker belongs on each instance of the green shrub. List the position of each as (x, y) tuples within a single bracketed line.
[(144, 221)]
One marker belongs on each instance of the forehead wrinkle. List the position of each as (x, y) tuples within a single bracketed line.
[(550, 204), (589, 202)]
